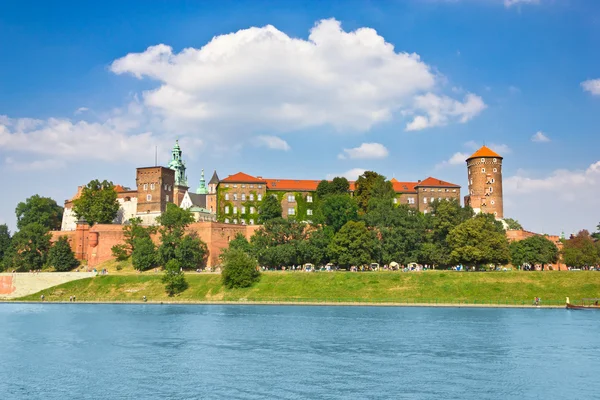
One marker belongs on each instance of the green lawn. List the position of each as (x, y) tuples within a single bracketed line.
[(515, 287)]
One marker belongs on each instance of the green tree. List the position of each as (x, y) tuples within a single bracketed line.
[(337, 209), (401, 235), (239, 269), (61, 257), (172, 230), (42, 210), (479, 241), (354, 244), (363, 186), (133, 230), (535, 250), (5, 240), (323, 189), (581, 251), (144, 255), (270, 208), (239, 242), (29, 248), (315, 248), (596, 235), (274, 234), (513, 224), (120, 252), (191, 252), (174, 278), (339, 185), (98, 203)]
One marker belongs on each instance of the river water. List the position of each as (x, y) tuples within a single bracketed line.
[(79, 351)]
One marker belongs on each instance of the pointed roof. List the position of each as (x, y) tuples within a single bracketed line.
[(241, 177), (215, 179), (434, 182), (484, 151)]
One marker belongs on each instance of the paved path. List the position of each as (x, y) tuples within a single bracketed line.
[(24, 283)]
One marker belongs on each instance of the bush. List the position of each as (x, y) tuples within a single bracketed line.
[(174, 278), (119, 251), (239, 269), (61, 257), (144, 255)]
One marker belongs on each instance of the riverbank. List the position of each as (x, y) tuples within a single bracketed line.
[(430, 288)]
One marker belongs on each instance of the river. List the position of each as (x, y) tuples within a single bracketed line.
[(82, 351)]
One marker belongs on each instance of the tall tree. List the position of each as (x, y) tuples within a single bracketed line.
[(5, 240), (61, 257), (337, 209), (42, 210), (98, 203), (315, 248), (270, 208), (323, 189), (144, 255), (535, 250), (174, 278), (172, 230), (581, 251), (354, 244), (479, 241), (191, 252), (401, 235), (363, 186), (29, 248), (596, 235), (513, 224), (339, 185), (276, 242)]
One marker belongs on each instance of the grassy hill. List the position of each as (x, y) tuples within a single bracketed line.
[(514, 287)]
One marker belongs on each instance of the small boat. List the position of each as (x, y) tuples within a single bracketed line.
[(586, 304)]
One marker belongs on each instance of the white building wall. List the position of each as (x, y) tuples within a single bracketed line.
[(127, 210), (69, 222)]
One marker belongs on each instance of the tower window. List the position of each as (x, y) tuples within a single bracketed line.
[(152, 186), (483, 160), (493, 202), (167, 198), (145, 186), (148, 197), (495, 169), (483, 170), (491, 189)]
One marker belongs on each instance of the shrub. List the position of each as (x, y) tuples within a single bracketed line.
[(239, 269), (144, 255), (61, 257), (174, 279), (119, 251)]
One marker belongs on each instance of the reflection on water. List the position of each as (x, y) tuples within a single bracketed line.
[(74, 351)]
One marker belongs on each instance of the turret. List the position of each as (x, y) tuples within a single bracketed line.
[(484, 169)]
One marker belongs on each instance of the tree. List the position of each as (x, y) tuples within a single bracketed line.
[(581, 251), (535, 250), (274, 234), (98, 203), (354, 244), (191, 252), (596, 235), (270, 208), (42, 210), (315, 248), (337, 209), (144, 255), (513, 224), (5, 240), (479, 241), (339, 185), (29, 248), (363, 186), (61, 257), (133, 230), (323, 189), (239, 269), (174, 278), (173, 223)]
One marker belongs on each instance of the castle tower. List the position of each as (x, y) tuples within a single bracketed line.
[(211, 198), (202, 185), (484, 169), (178, 165), (155, 188)]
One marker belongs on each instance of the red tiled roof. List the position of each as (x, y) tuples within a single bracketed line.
[(307, 185), (241, 177), (429, 182), (485, 152), (404, 187)]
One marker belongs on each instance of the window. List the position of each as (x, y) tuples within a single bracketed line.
[(291, 198), (235, 185), (170, 188), (226, 209), (431, 200), (243, 186), (226, 220), (309, 199), (493, 202), (235, 220), (243, 210), (234, 209), (425, 200), (251, 186), (439, 199), (227, 185), (495, 213), (259, 186), (472, 192), (395, 200), (145, 186), (259, 196), (166, 186), (482, 169), (167, 198), (495, 169), (251, 222), (226, 196), (251, 197), (309, 212), (148, 197), (469, 172), (411, 200), (491, 189), (235, 196), (152, 186), (251, 210), (454, 190), (291, 211), (495, 160), (493, 180), (243, 197), (439, 190)]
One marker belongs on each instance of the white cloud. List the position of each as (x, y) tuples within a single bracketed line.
[(592, 86), (540, 137), (365, 150), (440, 110), (351, 174), (510, 3), (457, 158), (36, 165), (567, 197), (272, 142), (81, 110)]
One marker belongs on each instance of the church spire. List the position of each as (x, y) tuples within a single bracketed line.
[(178, 165), (202, 186)]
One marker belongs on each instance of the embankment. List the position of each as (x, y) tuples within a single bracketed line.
[(22, 284)]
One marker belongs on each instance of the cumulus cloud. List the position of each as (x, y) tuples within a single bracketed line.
[(272, 142), (351, 174), (36, 165), (592, 86), (457, 158), (81, 110), (540, 137), (364, 151), (441, 110)]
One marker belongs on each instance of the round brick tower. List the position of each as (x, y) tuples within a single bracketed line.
[(485, 182)]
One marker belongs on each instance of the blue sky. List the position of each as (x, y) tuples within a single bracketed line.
[(306, 89)]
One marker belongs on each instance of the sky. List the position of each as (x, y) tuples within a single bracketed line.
[(306, 90)]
